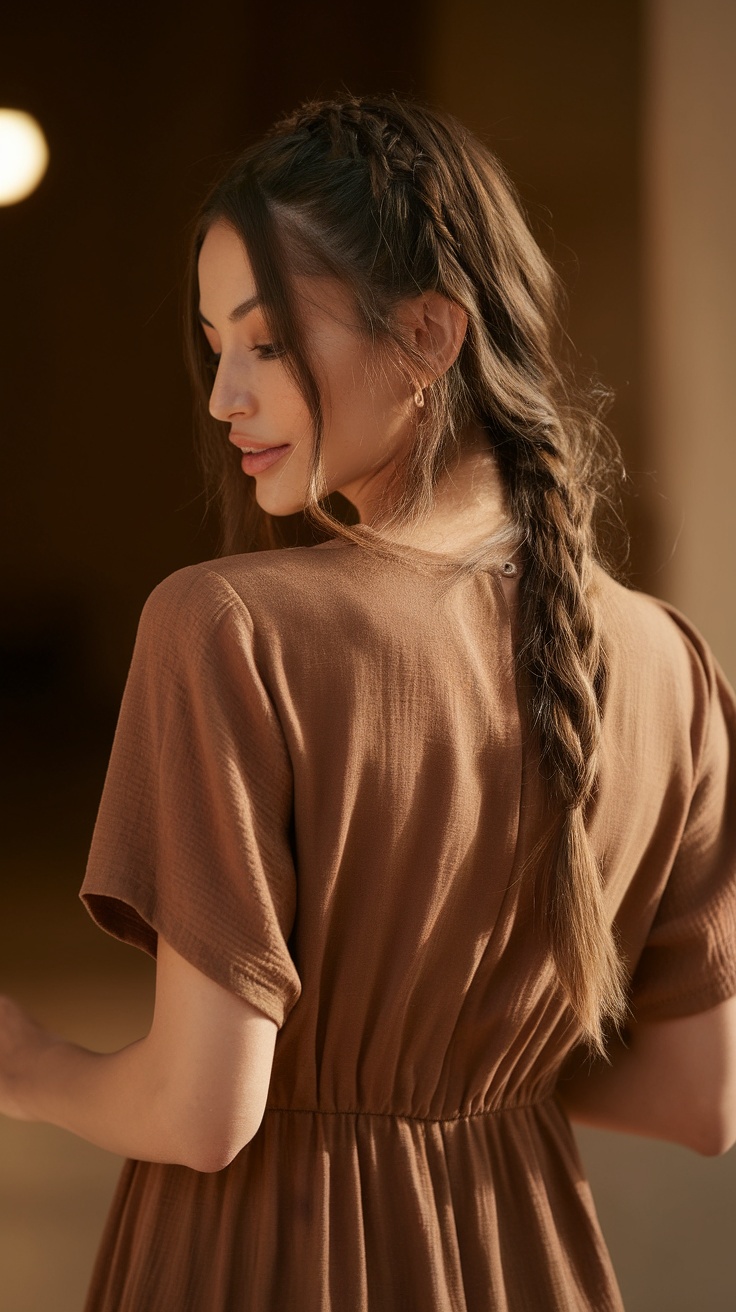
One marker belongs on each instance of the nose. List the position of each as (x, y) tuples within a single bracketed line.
[(230, 397)]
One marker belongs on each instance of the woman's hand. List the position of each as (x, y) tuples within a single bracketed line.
[(22, 1040)]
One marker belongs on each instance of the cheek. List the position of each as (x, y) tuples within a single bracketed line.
[(284, 402), (369, 404), (355, 395)]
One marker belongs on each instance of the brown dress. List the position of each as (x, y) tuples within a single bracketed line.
[(320, 792)]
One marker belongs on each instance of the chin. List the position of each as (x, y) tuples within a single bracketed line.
[(277, 504)]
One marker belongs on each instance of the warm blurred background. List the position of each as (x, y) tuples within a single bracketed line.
[(616, 120)]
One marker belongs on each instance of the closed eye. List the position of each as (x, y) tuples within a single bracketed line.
[(267, 352)]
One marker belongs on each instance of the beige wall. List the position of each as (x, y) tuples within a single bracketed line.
[(554, 90), (617, 122), (689, 184)]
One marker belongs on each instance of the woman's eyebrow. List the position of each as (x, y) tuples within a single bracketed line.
[(238, 313)]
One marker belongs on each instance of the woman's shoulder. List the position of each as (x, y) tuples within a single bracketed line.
[(270, 585), (649, 636)]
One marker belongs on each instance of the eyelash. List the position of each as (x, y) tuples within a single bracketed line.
[(272, 353)]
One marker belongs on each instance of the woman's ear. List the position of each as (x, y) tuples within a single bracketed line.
[(436, 326)]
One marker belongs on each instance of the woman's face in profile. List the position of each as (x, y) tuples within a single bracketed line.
[(367, 411)]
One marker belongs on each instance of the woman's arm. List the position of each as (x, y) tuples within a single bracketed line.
[(672, 1079), (191, 1092)]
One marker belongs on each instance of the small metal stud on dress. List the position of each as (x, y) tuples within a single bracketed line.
[(508, 567)]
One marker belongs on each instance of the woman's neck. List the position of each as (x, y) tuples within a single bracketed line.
[(471, 503)]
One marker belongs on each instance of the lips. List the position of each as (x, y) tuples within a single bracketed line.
[(259, 460)]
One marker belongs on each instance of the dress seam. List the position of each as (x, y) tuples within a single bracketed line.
[(407, 1116)]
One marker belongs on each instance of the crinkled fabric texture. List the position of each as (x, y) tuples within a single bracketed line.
[(321, 790)]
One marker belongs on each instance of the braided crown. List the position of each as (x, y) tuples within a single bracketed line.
[(365, 132), (368, 133)]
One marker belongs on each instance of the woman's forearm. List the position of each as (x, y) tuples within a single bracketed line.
[(110, 1099), (120, 1100), (106, 1098), (626, 1096), (653, 1086), (191, 1092)]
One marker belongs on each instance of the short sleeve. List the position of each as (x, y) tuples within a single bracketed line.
[(688, 963), (192, 838)]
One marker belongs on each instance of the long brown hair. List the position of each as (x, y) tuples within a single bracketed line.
[(393, 198)]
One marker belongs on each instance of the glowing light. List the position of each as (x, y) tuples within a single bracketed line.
[(24, 155)]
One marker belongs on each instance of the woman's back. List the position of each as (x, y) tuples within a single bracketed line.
[(322, 792)]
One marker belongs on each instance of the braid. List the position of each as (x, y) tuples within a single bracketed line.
[(395, 198), (563, 654), (355, 132)]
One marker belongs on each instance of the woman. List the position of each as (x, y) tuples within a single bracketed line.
[(417, 806)]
